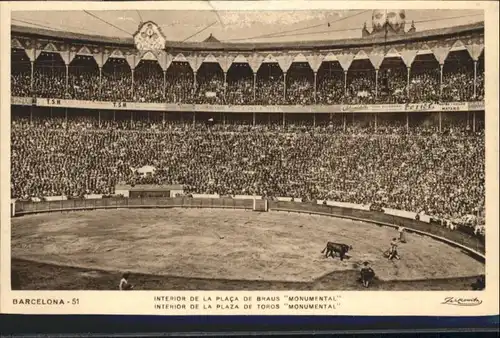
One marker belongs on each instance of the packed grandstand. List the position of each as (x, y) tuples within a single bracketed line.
[(397, 119)]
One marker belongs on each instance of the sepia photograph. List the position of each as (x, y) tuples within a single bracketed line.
[(224, 150)]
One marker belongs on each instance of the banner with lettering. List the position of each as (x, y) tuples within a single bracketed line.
[(479, 105), (100, 105), (172, 107), (420, 107), (453, 106), (366, 108), (21, 101)]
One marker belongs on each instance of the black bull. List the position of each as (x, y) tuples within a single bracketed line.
[(332, 248)]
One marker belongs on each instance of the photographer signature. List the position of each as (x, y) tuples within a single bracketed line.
[(462, 301)]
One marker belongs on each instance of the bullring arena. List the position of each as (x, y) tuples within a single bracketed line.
[(207, 248), (345, 135)]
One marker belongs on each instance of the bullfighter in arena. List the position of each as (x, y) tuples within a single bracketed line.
[(402, 234), (393, 251), (367, 274), (124, 284), (479, 284)]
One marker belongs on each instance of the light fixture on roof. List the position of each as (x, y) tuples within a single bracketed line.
[(391, 21)]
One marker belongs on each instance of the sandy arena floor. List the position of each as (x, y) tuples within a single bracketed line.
[(226, 244)]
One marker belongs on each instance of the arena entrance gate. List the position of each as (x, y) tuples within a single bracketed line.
[(260, 205), (145, 190)]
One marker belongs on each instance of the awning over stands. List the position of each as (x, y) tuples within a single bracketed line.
[(212, 44)]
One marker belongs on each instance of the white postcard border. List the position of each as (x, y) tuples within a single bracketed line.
[(343, 302)]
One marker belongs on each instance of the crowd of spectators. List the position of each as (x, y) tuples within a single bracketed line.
[(49, 82), (330, 88), (148, 83), (178, 85), (210, 89), (20, 83), (480, 87), (270, 90), (361, 87), (300, 92), (115, 86), (462, 76), (240, 91), (82, 85), (394, 86), (424, 86), (419, 170)]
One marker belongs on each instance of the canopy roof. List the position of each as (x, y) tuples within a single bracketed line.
[(213, 44)]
